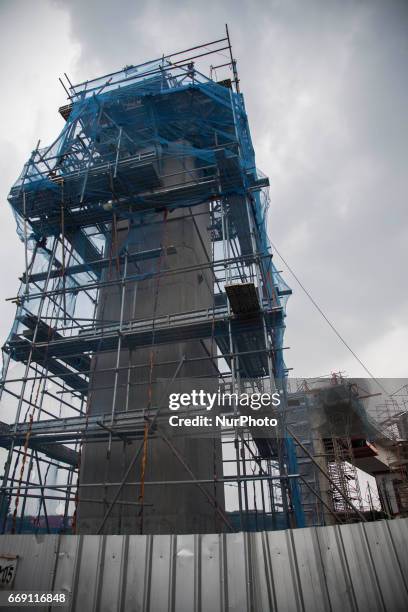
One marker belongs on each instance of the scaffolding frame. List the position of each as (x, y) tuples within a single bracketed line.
[(104, 173)]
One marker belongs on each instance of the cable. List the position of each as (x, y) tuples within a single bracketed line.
[(328, 320)]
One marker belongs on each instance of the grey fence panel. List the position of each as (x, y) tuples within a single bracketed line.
[(387, 566), (399, 536), (359, 567), (310, 570), (211, 577), (37, 556), (284, 575), (137, 564)]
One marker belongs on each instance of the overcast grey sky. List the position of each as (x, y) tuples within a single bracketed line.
[(325, 84)]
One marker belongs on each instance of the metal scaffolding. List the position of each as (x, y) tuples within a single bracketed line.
[(144, 150)]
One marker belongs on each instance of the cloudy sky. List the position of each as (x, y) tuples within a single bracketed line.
[(326, 90)]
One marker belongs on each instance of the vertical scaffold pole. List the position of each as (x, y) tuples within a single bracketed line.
[(233, 61), (27, 286), (225, 248), (7, 465)]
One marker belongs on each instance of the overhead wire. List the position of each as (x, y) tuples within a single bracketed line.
[(328, 321)]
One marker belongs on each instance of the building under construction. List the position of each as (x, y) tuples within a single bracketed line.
[(148, 271)]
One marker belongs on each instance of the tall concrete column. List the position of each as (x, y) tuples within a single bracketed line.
[(168, 508)]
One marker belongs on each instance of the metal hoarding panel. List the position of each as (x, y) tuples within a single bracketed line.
[(36, 559), (359, 567)]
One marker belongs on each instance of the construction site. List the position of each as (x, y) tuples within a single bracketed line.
[(149, 271)]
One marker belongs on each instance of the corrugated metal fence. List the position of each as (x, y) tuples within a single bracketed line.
[(361, 567)]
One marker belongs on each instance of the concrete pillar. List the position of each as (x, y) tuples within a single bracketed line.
[(169, 508)]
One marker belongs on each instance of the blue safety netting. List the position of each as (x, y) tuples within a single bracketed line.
[(148, 139)]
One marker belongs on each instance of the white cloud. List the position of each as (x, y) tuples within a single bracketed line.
[(36, 49)]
